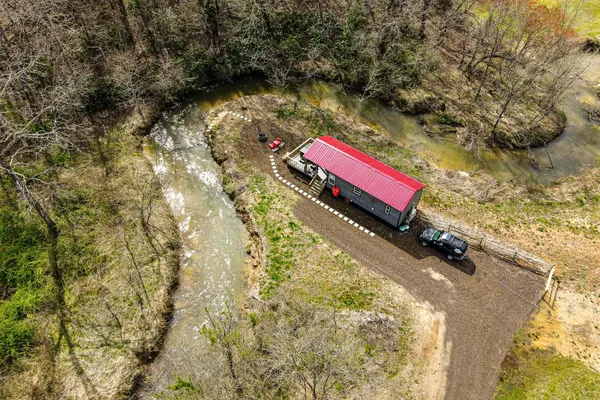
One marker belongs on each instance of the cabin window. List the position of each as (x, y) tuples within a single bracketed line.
[(332, 179), (357, 191), (387, 209)]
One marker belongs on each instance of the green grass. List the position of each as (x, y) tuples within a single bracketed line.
[(22, 277), (280, 240), (321, 122), (333, 282), (546, 375), (17, 328), (590, 16)]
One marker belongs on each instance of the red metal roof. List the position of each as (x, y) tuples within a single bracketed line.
[(363, 171)]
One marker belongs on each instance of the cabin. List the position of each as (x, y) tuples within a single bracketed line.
[(358, 178)]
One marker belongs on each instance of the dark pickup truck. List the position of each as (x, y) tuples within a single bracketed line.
[(455, 248)]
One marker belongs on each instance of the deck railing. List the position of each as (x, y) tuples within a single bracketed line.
[(291, 154), (292, 162)]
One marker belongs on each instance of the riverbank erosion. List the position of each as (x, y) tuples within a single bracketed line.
[(119, 255), (294, 265)]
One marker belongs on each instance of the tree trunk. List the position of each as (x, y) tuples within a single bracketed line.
[(213, 11), (52, 236), (120, 6), (423, 19), (503, 110), (146, 19), (236, 380)]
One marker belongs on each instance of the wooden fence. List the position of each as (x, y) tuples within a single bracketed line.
[(494, 247)]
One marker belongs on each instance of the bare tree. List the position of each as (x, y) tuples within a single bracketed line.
[(288, 347), (314, 354), (521, 50), (222, 331)]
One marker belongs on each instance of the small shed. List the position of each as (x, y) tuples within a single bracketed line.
[(374, 186)]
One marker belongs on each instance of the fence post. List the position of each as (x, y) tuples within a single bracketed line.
[(549, 279)]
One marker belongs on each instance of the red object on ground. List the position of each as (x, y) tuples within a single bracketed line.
[(363, 171), (336, 191), (276, 143)]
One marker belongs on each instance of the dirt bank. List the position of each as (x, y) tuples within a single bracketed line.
[(313, 267)]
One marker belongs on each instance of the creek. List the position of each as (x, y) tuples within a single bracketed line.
[(213, 244), (214, 239), (577, 148)]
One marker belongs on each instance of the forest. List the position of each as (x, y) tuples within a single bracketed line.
[(88, 249)]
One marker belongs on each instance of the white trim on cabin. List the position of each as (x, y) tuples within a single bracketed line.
[(331, 179)]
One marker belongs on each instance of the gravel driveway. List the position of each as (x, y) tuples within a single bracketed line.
[(485, 300)]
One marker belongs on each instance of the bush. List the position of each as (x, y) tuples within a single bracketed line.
[(197, 65), (103, 94)]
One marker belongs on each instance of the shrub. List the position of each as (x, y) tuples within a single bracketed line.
[(103, 93)]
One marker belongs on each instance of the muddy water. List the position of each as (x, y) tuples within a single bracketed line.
[(212, 270), (578, 147), (579, 144)]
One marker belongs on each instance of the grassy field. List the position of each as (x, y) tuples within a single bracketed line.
[(590, 15), (545, 375)]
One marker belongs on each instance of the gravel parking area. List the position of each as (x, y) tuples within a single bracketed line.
[(485, 300)]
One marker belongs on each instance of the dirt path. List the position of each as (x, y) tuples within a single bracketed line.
[(485, 300)]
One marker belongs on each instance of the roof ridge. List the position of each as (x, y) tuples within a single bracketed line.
[(369, 166)]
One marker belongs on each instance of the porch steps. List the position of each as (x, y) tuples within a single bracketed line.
[(316, 187)]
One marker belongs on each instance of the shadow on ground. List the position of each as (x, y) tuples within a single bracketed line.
[(406, 241)]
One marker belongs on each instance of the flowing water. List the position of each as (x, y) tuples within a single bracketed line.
[(212, 271), (578, 147), (213, 238)]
